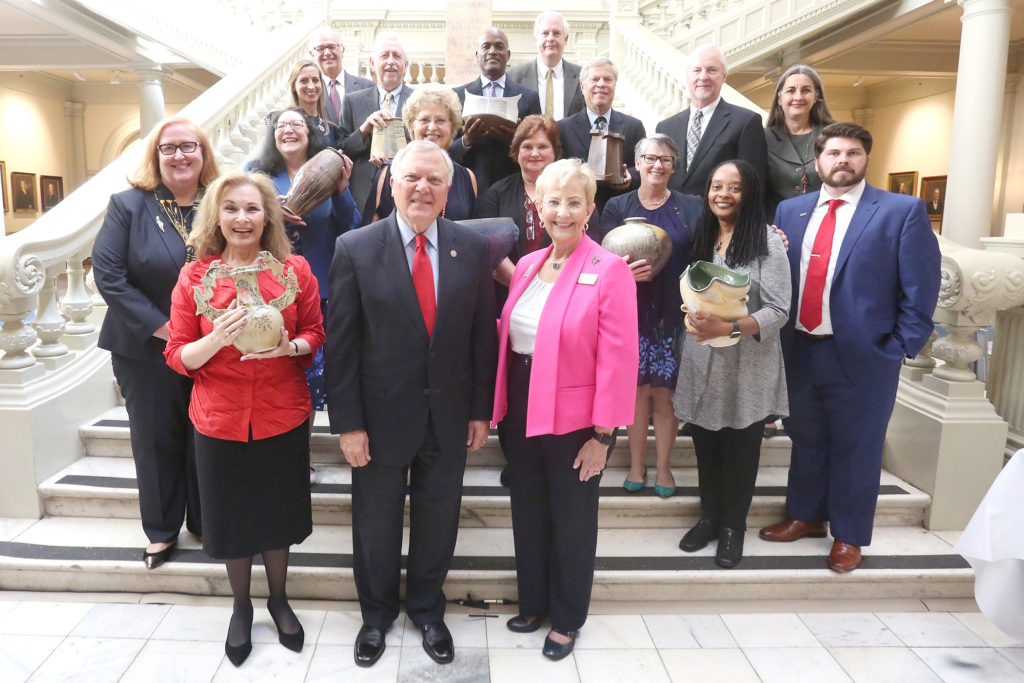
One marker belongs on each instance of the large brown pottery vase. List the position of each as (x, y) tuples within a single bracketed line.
[(315, 181), (263, 322), (715, 289), (638, 239)]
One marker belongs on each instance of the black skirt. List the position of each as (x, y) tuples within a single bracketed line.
[(255, 494)]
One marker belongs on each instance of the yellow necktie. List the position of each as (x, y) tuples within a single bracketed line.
[(549, 95)]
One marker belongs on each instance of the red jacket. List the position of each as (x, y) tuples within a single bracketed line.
[(230, 397)]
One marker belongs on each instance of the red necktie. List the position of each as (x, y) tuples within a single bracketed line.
[(817, 269), (332, 91), (423, 281)]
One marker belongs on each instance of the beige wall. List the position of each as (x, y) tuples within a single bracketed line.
[(911, 136)]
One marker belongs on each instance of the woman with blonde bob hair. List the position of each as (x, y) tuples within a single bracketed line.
[(566, 380), (433, 113), (249, 411), (138, 253)]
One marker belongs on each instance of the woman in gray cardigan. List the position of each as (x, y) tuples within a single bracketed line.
[(731, 390)]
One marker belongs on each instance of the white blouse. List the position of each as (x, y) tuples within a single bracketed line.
[(522, 324)]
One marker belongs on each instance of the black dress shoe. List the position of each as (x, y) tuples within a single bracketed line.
[(521, 624), (293, 641), (154, 560), (437, 642), (730, 548), (503, 477), (241, 616), (369, 645), (554, 650), (702, 533)]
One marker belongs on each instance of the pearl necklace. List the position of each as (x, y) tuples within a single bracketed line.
[(654, 203)]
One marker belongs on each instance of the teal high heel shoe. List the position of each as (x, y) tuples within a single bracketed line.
[(634, 486)]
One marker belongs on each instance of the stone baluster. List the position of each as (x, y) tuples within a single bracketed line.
[(77, 302), (240, 148), (49, 323), (15, 339)]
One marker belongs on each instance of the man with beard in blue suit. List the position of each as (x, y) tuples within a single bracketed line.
[(484, 149), (865, 271)]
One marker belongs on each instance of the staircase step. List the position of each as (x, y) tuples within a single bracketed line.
[(107, 436), (106, 487), (636, 564)]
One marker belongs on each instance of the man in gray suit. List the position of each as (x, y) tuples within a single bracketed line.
[(711, 130), (555, 80), (327, 51), (367, 109)]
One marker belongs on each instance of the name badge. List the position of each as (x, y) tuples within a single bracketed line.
[(588, 279)]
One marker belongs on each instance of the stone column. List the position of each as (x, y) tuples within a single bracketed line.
[(74, 124), (151, 99), (977, 118)]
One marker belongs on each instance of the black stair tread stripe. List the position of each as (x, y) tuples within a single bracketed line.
[(298, 560), (470, 491)]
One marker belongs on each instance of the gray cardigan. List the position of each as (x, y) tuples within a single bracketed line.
[(736, 386)]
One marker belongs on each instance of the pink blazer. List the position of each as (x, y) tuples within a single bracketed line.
[(585, 360)]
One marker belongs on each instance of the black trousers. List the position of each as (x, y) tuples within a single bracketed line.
[(163, 445), (554, 514), (433, 481), (727, 462)]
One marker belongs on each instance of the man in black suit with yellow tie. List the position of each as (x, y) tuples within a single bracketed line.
[(411, 356), (556, 80), (711, 130), (484, 149)]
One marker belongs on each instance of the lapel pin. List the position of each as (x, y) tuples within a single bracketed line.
[(159, 224), (803, 214), (527, 273), (596, 260), (454, 253)]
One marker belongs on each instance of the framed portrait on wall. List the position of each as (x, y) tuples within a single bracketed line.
[(3, 184), (51, 189), (933, 192), (23, 192), (903, 182)]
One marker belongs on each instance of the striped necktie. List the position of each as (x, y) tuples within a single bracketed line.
[(693, 137)]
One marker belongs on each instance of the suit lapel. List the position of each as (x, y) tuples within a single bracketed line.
[(396, 267), (866, 208), (719, 120), (447, 285), (571, 84), (474, 87), (162, 226), (795, 232), (581, 129)]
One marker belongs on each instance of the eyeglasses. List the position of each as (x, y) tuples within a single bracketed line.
[(333, 47), (653, 159), (186, 148), (294, 125)]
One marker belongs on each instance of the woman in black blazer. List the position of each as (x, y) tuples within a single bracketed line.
[(138, 252)]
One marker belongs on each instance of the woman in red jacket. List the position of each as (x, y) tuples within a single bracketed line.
[(249, 411)]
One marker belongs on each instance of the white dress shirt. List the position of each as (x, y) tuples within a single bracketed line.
[(707, 112), (844, 214), (593, 117), (558, 82), (485, 86), (395, 94), (409, 241)]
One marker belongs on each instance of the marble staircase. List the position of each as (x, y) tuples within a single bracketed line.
[(89, 538)]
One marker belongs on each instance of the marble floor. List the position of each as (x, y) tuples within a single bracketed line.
[(165, 637)]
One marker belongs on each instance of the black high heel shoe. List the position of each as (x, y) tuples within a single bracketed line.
[(292, 641), (239, 653), (154, 560), (554, 650)]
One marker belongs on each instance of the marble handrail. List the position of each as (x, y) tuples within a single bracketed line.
[(55, 245)]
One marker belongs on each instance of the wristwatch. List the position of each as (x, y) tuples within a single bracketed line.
[(603, 439), (736, 333)]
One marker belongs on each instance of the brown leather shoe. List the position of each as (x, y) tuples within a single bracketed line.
[(792, 529), (844, 557)]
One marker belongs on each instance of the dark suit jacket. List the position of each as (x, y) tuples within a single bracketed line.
[(384, 373), (526, 74), (23, 200), (785, 167), (136, 266), (574, 132), (351, 84), (732, 133), (488, 158), (355, 107), (885, 285)]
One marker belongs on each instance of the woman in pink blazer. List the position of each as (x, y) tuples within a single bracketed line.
[(567, 371)]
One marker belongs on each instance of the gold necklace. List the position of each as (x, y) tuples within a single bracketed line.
[(180, 222)]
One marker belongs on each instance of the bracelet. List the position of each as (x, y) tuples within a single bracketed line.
[(296, 347)]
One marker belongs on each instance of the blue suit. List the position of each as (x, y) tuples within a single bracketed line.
[(842, 389)]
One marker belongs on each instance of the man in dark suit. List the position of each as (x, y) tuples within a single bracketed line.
[(23, 197), (327, 50), (410, 364), (711, 130), (935, 203), (481, 148), (865, 269), (365, 110), (597, 82), (556, 81)]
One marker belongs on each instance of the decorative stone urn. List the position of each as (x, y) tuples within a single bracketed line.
[(262, 330), (638, 239), (714, 289)]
